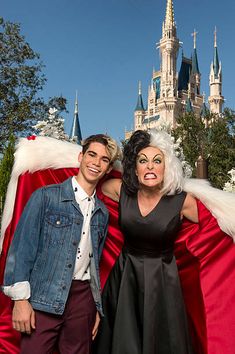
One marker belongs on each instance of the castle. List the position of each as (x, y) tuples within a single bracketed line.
[(171, 93)]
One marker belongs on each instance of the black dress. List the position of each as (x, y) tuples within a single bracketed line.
[(142, 299)]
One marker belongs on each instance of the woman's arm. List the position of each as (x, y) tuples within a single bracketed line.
[(189, 209), (112, 188)]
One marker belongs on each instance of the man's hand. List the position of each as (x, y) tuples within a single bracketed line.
[(23, 316), (96, 325)]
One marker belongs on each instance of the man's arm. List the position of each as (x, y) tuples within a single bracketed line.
[(24, 246), (20, 261)]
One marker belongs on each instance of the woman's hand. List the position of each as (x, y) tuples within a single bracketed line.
[(111, 188)]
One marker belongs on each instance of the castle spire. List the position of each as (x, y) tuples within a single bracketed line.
[(76, 104), (216, 57), (215, 37), (216, 99), (140, 91), (194, 34), (195, 68), (169, 19), (75, 133), (139, 105)]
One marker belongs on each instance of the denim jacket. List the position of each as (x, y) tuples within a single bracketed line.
[(44, 248)]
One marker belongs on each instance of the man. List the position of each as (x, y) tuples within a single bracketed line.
[(52, 269)]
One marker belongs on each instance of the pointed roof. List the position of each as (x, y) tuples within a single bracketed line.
[(169, 19), (76, 130), (216, 57), (195, 68), (184, 73), (139, 105)]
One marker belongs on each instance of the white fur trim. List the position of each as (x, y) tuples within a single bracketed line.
[(220, 203)]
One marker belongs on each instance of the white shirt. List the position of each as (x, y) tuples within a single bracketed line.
[(21, 290), (84, 251)]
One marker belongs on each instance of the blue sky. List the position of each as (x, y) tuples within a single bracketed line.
[(102, 48)]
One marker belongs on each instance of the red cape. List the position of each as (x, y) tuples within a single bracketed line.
[(205, 258)]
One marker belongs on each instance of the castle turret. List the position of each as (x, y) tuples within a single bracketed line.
[(167, 79), (196, 76), (139, 110), (216, 99), (169, 46), (75, 133)]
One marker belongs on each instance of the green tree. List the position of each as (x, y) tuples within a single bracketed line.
[(212, 138), (221, 148), (21, 80), (192, 133), (6, 167)]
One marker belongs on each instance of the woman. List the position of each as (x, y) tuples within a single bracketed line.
[(143, 304)]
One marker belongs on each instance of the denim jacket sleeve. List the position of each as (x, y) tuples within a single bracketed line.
[(24, 246)]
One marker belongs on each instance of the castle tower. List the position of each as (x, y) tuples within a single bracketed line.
[(169, 47), (196, 76), (170, 93), (139, 110), (75, 133), (216, 99)]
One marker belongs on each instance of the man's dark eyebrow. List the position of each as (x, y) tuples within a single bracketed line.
[(95, 153)]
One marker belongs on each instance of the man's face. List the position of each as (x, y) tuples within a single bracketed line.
[(94, 163)]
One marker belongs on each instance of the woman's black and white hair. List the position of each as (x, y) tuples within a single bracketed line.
[(140, 139)]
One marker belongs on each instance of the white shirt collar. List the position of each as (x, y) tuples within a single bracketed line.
[(80, 193)]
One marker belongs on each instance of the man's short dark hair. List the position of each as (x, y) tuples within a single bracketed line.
[(107, 141)]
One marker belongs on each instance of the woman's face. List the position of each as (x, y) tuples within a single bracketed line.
[(150, 166)]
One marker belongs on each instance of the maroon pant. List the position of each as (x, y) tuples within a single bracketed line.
[(70, 333)]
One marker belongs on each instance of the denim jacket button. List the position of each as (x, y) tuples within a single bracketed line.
[(70, 265), (58, 222)]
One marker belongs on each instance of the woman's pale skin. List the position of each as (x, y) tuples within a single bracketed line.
[(150, 167)]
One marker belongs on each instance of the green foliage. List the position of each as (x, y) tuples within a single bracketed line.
[(192, 133), (213, 139), (21, 79), (6, 167), (221, 149)]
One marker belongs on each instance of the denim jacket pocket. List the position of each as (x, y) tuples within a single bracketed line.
[(57, 226)]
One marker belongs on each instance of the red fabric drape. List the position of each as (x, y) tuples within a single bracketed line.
[(205, 257)]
